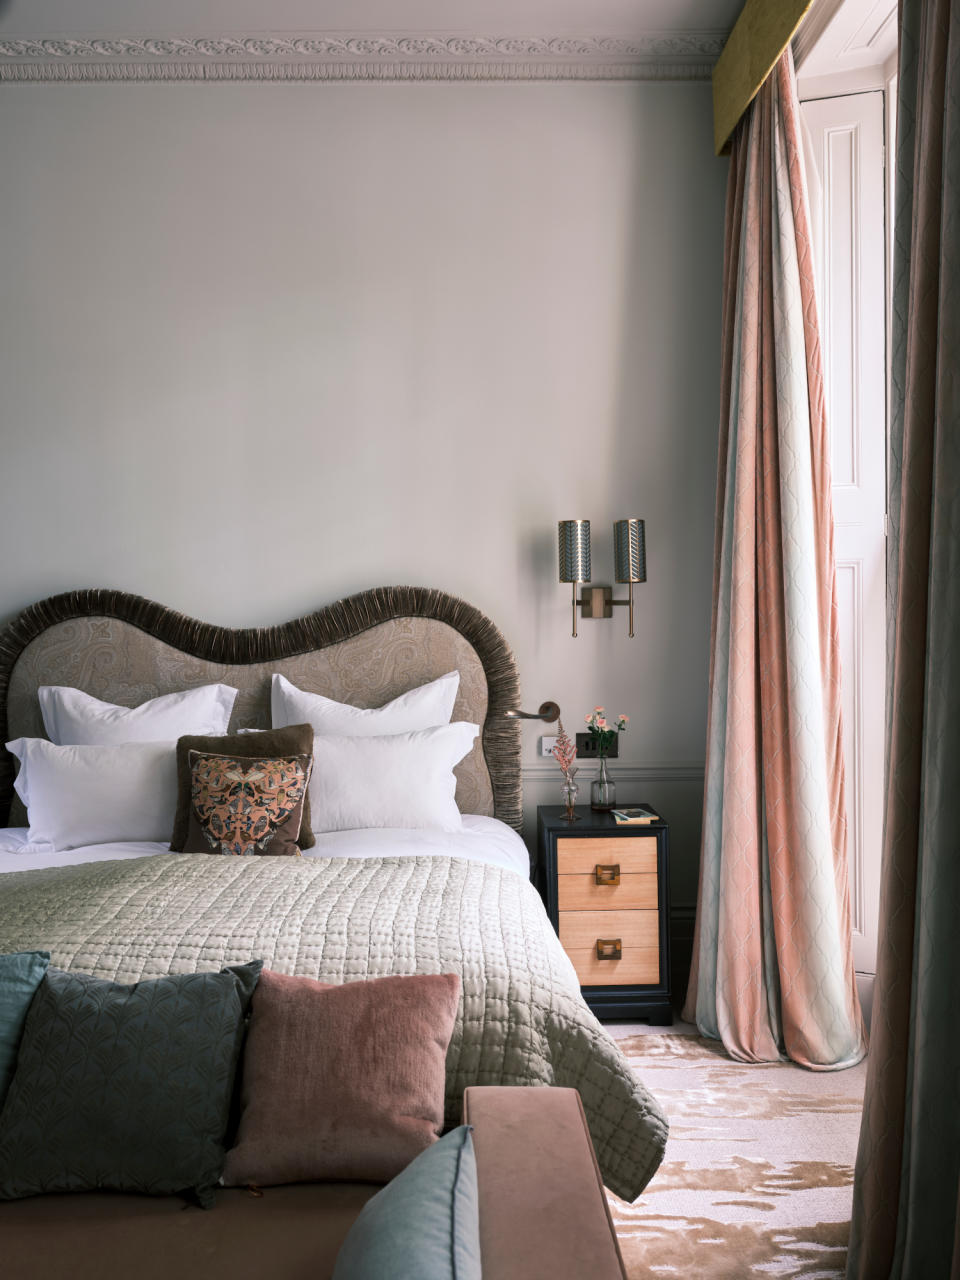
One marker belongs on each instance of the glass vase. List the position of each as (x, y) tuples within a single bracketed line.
[(569, 793), (603, 791)]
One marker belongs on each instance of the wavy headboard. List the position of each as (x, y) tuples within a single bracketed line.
[(365, 650)]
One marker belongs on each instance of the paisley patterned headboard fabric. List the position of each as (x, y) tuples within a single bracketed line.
[(363, 650)]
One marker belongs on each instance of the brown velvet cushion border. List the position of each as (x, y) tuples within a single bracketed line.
[(328, 626), (295, 740)]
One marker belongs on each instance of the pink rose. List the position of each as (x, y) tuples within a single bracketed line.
[(598, 710), (601, 723)]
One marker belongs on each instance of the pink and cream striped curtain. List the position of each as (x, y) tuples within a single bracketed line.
[(772, 965)]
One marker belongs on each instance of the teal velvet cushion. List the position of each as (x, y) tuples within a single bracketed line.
[(425, 1223), (126, 1087), (20, 975)]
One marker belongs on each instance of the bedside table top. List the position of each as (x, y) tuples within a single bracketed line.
[(589, 821)]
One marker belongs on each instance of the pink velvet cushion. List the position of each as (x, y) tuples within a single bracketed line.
[(342, 1082)]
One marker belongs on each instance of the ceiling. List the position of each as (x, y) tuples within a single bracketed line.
[(844, 37)]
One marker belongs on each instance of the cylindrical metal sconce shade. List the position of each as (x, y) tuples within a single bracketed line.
[(574, 550), (629, 551)]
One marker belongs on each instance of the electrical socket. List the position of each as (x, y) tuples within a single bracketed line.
[(587, 747), (546, 745)]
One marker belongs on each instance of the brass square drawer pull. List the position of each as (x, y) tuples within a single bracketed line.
[(609, 949), (608, 875)]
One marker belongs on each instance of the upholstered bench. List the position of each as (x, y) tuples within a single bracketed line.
[(543, 1214)]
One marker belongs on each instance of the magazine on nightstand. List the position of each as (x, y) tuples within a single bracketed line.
[(639, 815)]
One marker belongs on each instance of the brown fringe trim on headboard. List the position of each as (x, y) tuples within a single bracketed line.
[(336, 622)]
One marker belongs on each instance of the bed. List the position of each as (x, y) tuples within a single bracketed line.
[(360, 903)]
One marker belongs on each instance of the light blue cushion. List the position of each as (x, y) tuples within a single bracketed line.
[(20, 975), (423, 1224)]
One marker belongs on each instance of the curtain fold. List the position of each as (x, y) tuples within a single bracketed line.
[(772, 965), (906, 1209)]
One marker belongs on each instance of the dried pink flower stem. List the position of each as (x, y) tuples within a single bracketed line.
[(565, 751)]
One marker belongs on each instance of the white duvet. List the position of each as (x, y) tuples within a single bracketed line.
[(481, 840)]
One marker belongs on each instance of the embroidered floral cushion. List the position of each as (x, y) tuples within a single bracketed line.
[(266, 744), (244, 806)]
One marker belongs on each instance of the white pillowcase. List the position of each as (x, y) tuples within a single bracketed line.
[(80, 795), (74, 718), (423, 708), (400, 780)]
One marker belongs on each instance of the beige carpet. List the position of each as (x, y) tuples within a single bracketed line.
[(757, 1178)]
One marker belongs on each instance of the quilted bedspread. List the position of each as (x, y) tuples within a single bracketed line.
[(522, 1019)]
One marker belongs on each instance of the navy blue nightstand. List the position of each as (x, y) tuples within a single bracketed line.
[(606, 890)]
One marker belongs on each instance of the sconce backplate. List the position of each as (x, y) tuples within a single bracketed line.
[(597, 602)]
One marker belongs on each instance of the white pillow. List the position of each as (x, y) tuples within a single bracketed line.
[(422, 708), (399, 780), (77, 796), (74, 718)]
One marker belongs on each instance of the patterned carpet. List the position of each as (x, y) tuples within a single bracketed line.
[(757, 1179)]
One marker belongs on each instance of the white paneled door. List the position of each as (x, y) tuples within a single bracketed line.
[(848, 215)]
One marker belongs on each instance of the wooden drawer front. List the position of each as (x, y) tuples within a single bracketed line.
[(639, 967), (582, 893), (634, 854), (634, 928), (638, 932)]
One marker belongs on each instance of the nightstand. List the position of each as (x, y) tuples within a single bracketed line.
[(606, 889)]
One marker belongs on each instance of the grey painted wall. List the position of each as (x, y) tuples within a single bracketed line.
[(266, 345)]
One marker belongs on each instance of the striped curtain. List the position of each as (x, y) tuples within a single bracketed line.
[(906, 1200), (772, 966)]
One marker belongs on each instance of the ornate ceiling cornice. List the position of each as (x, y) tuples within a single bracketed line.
[(657, 56)]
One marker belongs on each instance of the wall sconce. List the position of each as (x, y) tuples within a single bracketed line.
[(630, 562)]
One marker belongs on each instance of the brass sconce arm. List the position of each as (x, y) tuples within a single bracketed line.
[(598, 602), (549, 711)]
